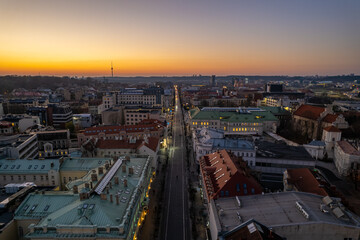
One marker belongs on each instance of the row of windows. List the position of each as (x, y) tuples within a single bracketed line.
[(27, 177), (136, 115), (245, 191), (243, 129), (70, 179)]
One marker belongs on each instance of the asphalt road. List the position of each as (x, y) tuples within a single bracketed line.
[(176, 222)]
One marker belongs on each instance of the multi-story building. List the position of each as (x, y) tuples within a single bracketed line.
[(141, 97), (40, 172), (53, 143), (273, 158), (83, 120), (234, 121), (106, 204), (281, 101), (150, 128), (22, 122), (207, 140), (61, 115), (115, 147), (293, 215), (134, 115), (345, 157), (226, 175), (311, 120), (19, 146), (303, 180)]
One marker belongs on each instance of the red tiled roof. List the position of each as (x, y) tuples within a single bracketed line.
[(331, 129), (305, 181), (153, 143), (117, 129), (308, 111), (117, 144), (330, 118), (348, 148), (221, 169)]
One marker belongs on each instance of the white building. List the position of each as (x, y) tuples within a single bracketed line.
[(209, 140), (345, 157), (316, 149), (330, 136)]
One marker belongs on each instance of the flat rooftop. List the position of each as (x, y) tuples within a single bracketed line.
[(281, 151), (278, 209)]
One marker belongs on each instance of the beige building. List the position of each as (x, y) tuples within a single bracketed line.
[(41, 172)]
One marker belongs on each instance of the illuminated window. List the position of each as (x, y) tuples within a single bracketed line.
[(233, 129)]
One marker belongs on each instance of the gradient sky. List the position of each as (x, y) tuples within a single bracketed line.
[(179, 37)]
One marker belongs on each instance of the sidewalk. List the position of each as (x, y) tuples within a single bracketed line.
[(197, 208), (151, 226)]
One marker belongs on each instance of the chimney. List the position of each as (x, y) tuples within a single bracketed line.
[(101, 170), (93, 177), (52, 165), (117, 199), (107, 165), (116, 180), (123, 168), (91, 185), (103, 196), (87, 185), (125, 183), (75, 189), (111, 198), (131, 170)]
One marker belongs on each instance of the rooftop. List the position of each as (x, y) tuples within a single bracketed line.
[(282, 151), (305, 181), (308, 111), (348, 148), (23, 166), (278, 209), (82, 164), (114, 208), (220, 167), (331, 129)]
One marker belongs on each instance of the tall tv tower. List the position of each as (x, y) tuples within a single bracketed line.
[(112, 70)]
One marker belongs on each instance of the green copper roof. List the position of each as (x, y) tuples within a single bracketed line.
[(67, 211), (82, 164)]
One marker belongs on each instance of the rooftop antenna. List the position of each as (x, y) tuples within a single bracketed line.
[(112, 70)]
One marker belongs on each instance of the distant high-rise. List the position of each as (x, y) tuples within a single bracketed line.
[(212, 81), (112, 69)]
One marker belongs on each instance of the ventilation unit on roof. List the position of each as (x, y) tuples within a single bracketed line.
[(238, 201)]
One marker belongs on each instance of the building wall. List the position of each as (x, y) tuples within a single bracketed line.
[(343, 160), (278, 166), (9, 231), (67, 176), (318, 231), (44, 179), (23, 226)]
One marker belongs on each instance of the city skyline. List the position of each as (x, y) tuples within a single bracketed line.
[(173, 38)]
